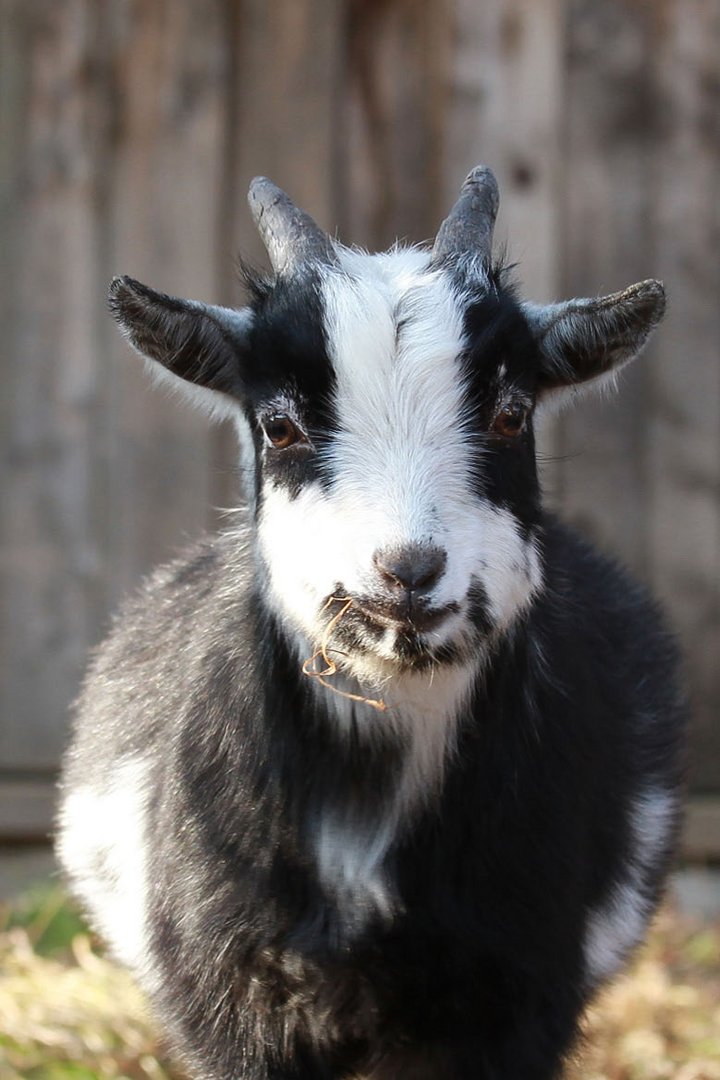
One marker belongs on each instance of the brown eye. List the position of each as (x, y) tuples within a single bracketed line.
[(510, 421), (281, 432)]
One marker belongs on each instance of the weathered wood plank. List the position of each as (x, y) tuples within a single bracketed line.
[(128, 134), (169, 65), (684, 422), (612, 122), (394, 111), (51, 552), (502, 53), (116, 115), (287, 74)]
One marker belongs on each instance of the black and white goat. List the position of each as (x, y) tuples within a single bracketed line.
[(421, 861)]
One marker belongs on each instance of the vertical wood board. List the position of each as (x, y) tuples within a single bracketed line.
[(683, 422), (168, 64), (610, 151), (393, 118), (52, 565), (505, 109)]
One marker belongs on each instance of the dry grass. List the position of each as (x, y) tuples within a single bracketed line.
[(66, 1013), (662, 1020), (81, 1018)]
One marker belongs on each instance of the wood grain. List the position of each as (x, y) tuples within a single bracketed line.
[(506, 110), (683, 413), (611, 120), (53, 568)]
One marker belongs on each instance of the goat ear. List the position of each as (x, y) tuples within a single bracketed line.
[(196, 347), (589, 341)]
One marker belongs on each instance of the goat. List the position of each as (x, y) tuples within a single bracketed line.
[(384, 779)]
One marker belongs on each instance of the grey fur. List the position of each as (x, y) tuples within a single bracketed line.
[(590, 338)]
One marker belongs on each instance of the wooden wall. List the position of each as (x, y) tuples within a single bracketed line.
[(129, 130)]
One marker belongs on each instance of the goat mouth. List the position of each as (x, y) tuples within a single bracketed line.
[(365, 627), (406, 617)]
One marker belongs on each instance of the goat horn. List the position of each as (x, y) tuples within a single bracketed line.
[(468, 228), (290, 235)]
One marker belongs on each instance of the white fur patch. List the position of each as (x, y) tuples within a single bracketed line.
[(619, 925), (423, 709), (101, 845)]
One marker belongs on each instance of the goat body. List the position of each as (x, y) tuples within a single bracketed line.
[(421, 865)]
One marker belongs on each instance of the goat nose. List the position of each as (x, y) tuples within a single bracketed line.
[(412, 568)]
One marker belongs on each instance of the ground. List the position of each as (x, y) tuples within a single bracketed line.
[(67, 1013)]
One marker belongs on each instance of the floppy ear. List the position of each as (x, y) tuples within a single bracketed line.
[(588, 341), (198, 348)]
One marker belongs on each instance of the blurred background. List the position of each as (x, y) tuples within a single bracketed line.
[(129, 130)]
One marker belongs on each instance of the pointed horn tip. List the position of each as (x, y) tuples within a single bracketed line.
[(263, 191), (483, 177), (259, 182), (481, 174)]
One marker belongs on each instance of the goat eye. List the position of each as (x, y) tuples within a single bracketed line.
[(510, 421), (281, 432)]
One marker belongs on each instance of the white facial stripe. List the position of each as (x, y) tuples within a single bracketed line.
[(395, 343)]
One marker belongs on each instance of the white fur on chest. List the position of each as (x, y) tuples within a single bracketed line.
[(352, 847)]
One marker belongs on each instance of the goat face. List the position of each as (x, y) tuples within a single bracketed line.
[(396, 460), (389, 403)]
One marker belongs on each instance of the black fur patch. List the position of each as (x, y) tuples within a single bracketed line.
[(290, 358), (498, 335), (186, 338)]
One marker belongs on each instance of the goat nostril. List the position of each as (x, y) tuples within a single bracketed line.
[(414, 567)]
